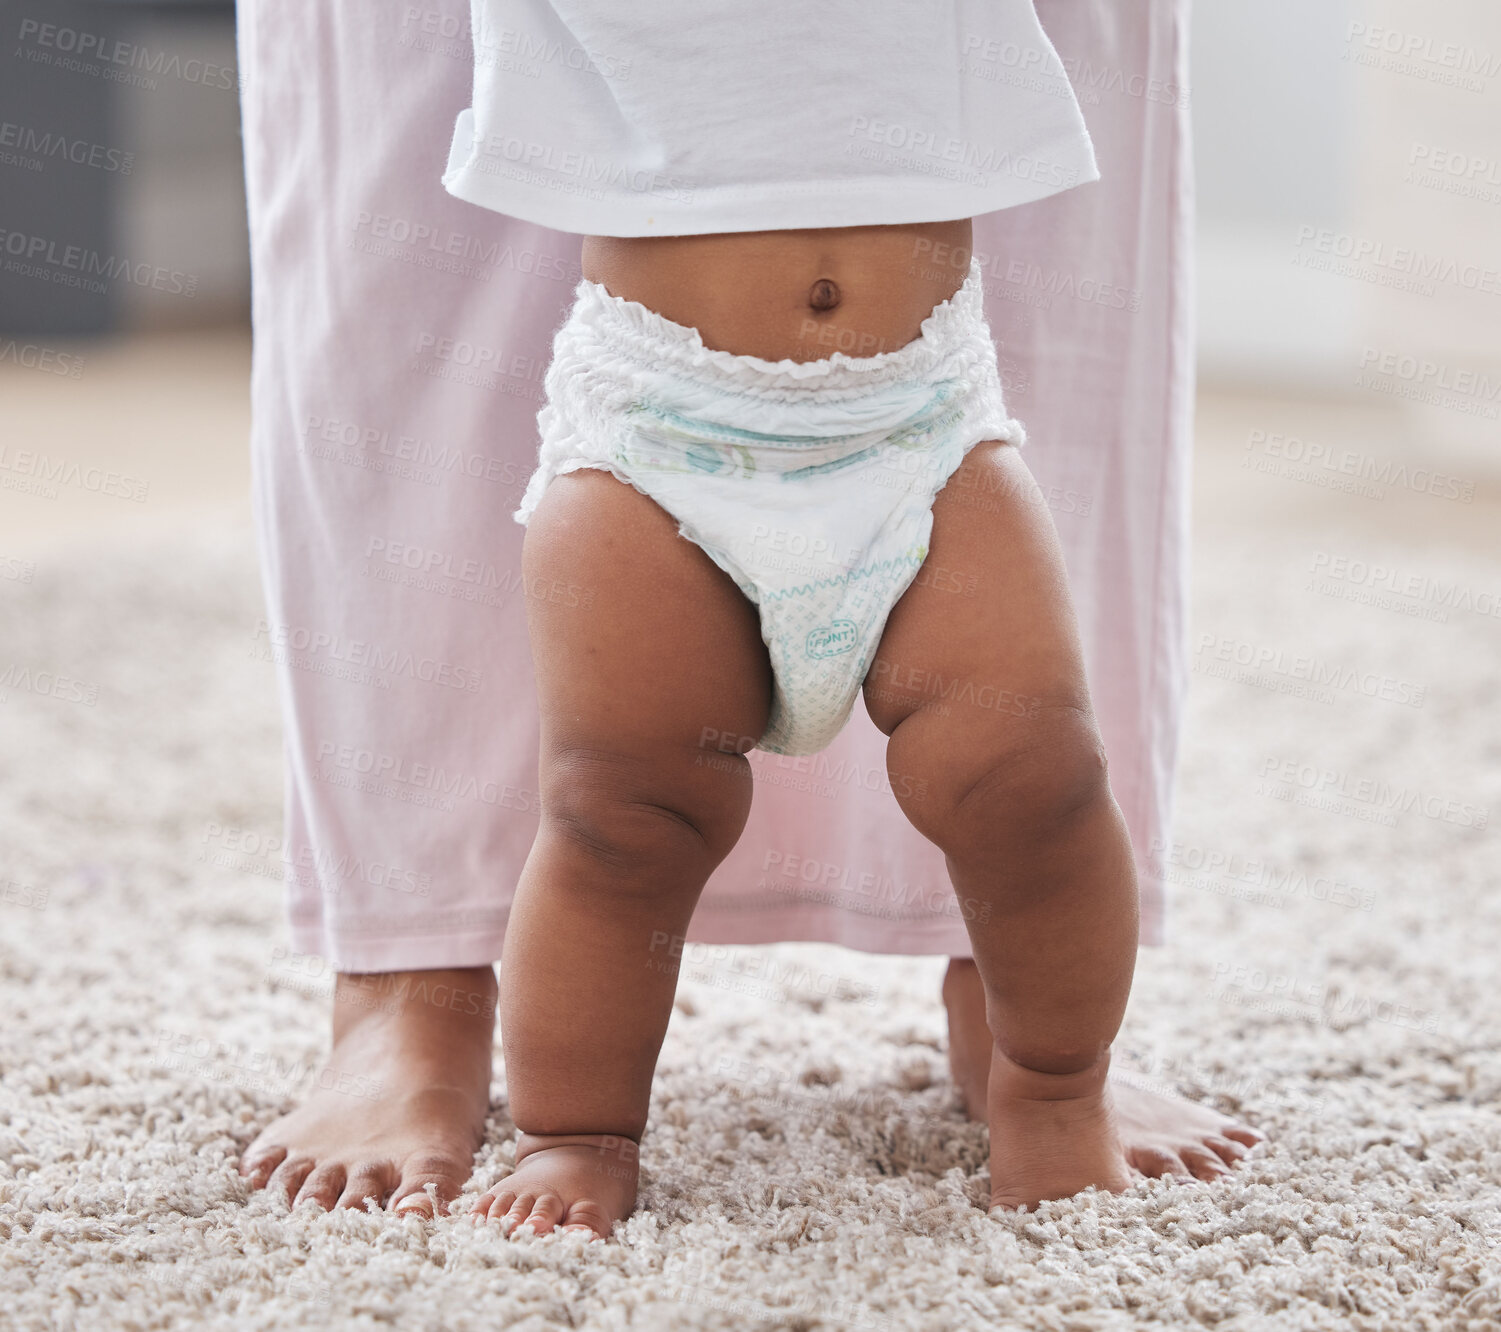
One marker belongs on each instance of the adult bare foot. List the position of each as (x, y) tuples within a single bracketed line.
[(581, 1183), (1052, 1135), (400, 1104), (1162, 1135)]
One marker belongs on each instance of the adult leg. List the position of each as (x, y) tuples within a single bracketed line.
[(400, 336)]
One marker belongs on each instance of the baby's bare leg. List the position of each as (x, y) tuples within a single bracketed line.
[(636, 813), (985, 702)]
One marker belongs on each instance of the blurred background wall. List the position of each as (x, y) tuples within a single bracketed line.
[(1349, 174), (119, 142), (1349, 197)]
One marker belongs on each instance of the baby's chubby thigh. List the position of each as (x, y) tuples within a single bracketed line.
[(979, 676), (642, 646)]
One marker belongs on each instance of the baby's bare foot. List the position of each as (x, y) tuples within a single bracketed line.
[(1052, 1135), (579, 1183), (1162, 1135), (401, 1103)]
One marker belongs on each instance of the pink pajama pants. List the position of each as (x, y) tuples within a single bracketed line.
[(401, 336)]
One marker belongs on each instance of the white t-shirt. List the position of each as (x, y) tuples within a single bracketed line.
[(680, 117)]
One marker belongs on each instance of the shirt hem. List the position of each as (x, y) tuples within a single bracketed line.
[(864, 201)]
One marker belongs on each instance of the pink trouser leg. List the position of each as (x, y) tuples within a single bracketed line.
[(401, 337)]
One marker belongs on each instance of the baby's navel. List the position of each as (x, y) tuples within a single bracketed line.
[(824, 294)]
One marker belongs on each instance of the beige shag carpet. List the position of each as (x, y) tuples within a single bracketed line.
[(1333, 977)]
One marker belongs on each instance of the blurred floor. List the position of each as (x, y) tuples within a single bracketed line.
[(171, 411), (1329, 971)]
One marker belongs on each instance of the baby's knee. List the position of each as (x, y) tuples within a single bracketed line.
[(991, 791), (643, 819)]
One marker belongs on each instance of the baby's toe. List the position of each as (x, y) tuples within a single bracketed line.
[(517, 1212), (587, 1217), (492, 1205), (546, 1212)]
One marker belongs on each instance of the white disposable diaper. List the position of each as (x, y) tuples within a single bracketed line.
[(810, 483)]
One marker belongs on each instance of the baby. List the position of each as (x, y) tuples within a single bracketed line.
[(777, 478), (697, 433)]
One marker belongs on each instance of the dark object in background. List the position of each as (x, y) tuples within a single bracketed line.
[(121, 184)]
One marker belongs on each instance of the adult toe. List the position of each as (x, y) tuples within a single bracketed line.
[(369, 1180), (425, 1179), (288, 1177), (1242, 1133), (323, 1185), (1159, 1162), (1203, 1163), (1227, 1151), (259, 1163)]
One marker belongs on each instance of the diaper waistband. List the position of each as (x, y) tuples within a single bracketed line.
[(953, 337)]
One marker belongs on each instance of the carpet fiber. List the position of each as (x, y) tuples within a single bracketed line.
[(1332, 977)]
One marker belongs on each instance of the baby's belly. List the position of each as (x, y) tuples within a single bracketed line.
[(798, 295)]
